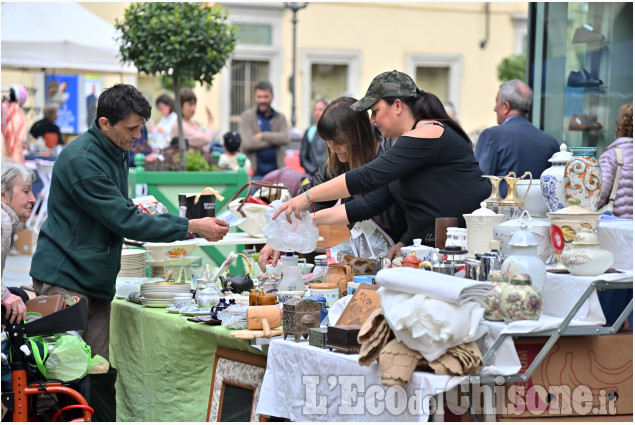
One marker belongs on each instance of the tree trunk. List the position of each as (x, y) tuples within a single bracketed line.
[(179, 119)]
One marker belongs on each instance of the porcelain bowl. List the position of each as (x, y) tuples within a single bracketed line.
[(158, 251)]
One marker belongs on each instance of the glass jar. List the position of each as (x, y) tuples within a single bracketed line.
[(457, 236), (320, 268)]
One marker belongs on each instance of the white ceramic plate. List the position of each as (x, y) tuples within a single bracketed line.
[(186, 261), (155, 305)]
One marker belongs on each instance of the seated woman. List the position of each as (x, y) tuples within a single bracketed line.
[(192, 131), (350, 143), (430, 172), (17, 203)]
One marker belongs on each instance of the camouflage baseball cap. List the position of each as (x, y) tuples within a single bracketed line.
[(386, 84)]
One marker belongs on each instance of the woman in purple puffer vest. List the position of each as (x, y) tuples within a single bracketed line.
[(608, 162)]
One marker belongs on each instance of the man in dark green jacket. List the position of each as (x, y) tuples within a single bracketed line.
[(89, 213)]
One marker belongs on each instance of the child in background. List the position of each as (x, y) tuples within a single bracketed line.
[(229, 159)]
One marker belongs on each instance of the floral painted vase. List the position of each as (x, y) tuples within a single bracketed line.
[(583, 178), (520, 300), (492, 302), (552, 180)]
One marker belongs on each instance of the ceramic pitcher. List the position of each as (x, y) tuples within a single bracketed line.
[(583, 178)]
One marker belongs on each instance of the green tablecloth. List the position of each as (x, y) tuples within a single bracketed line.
[(165, 363)]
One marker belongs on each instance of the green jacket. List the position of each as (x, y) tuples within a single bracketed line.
[(89, 214)]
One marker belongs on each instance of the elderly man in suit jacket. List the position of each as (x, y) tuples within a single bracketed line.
[(515, 144)]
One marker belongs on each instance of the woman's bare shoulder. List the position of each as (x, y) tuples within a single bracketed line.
[(427, 129)]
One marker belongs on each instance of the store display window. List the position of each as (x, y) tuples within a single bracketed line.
[(580, 68)]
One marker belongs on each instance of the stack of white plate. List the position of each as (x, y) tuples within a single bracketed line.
[(132, 263), (161, 294)]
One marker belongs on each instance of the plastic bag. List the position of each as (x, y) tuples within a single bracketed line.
[(98, 364), (69, 359), (298, 236)]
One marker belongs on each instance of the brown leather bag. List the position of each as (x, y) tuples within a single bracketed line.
[(46, 305)]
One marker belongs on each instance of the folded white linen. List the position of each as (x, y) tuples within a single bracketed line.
[(429, 325), (435, 285)]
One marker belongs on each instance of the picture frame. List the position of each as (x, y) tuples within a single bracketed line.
[(236, 381)]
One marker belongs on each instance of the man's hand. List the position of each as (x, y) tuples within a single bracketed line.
[(210, 228), (15, 309), (395, 251), (258, 135), (265, 253)]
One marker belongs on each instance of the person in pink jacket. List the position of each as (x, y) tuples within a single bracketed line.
[(623, 207), (192, 131)]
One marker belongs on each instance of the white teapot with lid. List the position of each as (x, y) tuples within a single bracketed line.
[(422, 252), (524, 258)]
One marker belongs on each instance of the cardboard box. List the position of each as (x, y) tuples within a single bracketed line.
[(23, 241), (581, 376), (614, 418)]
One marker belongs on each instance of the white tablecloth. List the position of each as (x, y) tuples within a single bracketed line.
[(310, 384), (616, 235), (293, 369)]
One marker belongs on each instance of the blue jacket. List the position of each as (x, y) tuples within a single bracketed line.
[(515, 146), (89, 214)]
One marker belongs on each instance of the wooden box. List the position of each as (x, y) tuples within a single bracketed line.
[(343, 338), (317, 337)]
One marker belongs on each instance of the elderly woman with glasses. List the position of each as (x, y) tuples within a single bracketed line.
[(17, 203)]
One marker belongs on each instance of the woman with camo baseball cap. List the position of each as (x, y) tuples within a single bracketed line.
[(430, 171)]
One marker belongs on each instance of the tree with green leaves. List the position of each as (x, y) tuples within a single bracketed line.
[(186, 41), (512, 68)]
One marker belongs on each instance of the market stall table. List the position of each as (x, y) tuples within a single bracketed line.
[(334, 387), (165, 363)]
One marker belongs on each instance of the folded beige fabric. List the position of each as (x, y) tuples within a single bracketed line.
[(462, 359), (369, 352), (373, 336), (370, 326), (397, 362)]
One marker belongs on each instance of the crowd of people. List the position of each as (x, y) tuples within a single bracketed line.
[(403, 165)]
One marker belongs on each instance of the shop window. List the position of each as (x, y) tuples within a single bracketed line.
[(436, 78), (326, 74), (244, 76), (582, 69), (327, 81)]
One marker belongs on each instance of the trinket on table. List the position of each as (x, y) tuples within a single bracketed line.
[(298, 316)]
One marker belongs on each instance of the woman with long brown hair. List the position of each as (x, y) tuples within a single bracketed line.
[(351, 142)]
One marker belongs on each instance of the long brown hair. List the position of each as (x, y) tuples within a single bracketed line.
[(340, 124), (625, 121)]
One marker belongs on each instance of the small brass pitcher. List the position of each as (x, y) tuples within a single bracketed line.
[(495, 197), (512, 198)]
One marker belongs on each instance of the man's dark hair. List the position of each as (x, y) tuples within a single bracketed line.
[(118, 101), (264, 85)]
